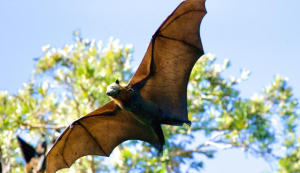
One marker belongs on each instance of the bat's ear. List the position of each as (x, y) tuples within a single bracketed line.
[(117, 82)]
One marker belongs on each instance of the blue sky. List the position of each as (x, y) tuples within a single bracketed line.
[(261, 36)]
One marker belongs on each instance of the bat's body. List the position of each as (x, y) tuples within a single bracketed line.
[(155, 95), (126, 98), (143, 110)]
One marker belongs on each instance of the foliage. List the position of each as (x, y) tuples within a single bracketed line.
[(71, 82), (291, 162)]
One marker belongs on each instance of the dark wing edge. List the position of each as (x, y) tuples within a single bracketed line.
[(174, 49), (97, 133), (27, 150)]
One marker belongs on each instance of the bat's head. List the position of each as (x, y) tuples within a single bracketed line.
[(113, 89)]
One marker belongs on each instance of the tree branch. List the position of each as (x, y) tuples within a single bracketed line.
[(217, 145), (43, 126)]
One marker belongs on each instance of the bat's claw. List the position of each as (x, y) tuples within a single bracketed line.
[(160, 152), (188, 123)]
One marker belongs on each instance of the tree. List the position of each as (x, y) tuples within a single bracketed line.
[(70, 82), (291, 162)]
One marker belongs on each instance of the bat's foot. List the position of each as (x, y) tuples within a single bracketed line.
[(174, 121), (160, 152), (188, 123)]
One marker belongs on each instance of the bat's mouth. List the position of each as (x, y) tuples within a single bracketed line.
[(109, 93)]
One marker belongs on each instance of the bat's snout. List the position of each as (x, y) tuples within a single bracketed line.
[(112, 90), (109, 93)]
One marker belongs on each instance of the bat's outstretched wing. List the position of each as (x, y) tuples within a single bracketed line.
[(162, 78), (174, 49), (27, 150), (97, 133)]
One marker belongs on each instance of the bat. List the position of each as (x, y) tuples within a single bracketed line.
[(34, 157), (156, 94)]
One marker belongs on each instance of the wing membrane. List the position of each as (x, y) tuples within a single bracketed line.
[(175, 47), (98, 133)]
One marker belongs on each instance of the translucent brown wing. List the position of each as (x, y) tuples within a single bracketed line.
[(174, 49), (97, 133)]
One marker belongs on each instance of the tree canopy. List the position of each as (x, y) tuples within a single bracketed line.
[(70, 82)]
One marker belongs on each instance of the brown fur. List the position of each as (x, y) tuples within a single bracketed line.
[(123, 96), (31, 167)]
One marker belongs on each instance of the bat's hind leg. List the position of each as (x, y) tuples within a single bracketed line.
[(179, 122), (172, 120)]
